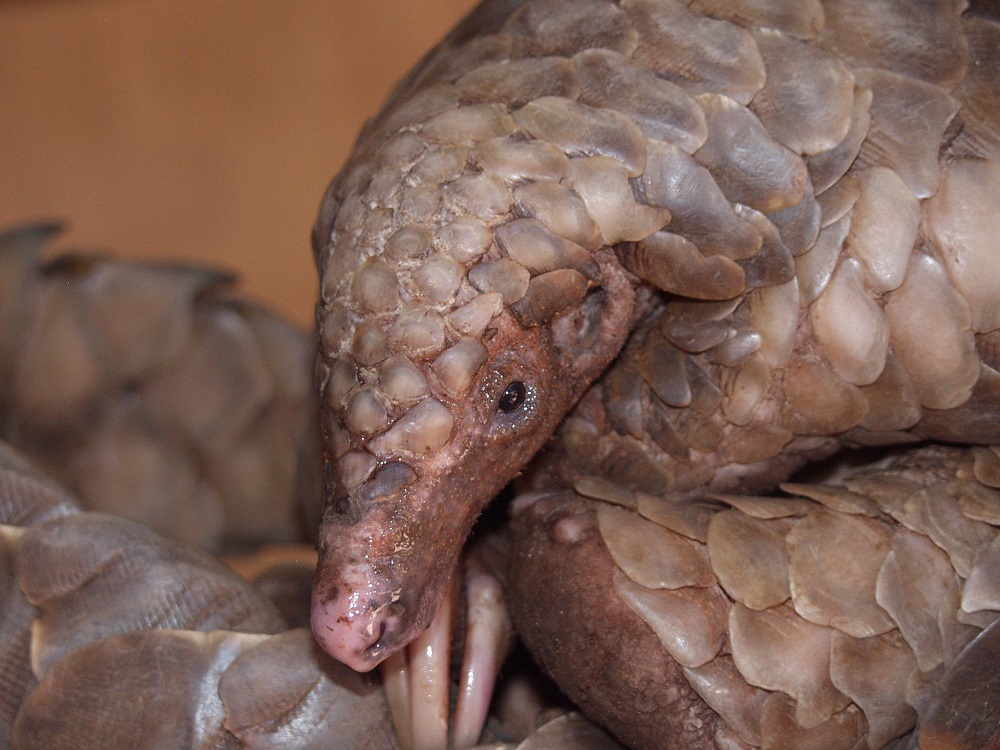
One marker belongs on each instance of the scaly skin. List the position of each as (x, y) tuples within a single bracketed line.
[(113, 636), (794, 213), (836, 613), (153, 391)]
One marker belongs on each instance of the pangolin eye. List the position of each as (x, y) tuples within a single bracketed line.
[(513, 398)]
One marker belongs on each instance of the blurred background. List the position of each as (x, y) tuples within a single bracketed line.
[(186, 130)]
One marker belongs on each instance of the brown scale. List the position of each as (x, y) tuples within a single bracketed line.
[(154, 393)]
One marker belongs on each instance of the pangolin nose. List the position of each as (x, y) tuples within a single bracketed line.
[(353, 635)]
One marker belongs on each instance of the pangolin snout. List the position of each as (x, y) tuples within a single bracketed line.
[(357, 627), (364, 607), (376, 588)]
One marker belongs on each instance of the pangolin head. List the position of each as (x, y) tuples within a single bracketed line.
[(467, 299)]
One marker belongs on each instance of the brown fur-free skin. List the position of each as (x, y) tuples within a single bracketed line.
[(557, 548)]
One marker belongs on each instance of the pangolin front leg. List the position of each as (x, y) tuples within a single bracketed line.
[(785, 210), (837, 615)]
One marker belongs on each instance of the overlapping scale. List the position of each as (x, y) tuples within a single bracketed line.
[(699, 54), (822, 269), (604, 185), (661, 109), (944, 372), (750, 558), (963, 227), (900, 137), (925, 42), (548, 28), (698, 209), (808, 94), (761, 173), (856, 681), (980, 133)]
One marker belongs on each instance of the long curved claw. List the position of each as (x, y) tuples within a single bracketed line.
[(487, 643), (967, 715), (395, 671), (429, 681), (416, 683), (416, 680)]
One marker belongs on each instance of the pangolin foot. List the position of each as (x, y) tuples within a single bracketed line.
[(417, 678)]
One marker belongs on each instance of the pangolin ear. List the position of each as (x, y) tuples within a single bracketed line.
[(592, 332)]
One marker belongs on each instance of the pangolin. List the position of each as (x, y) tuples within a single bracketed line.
[(783, 213), (702, 244), (94, 606)]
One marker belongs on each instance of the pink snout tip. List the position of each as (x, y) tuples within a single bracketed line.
[(353, 635)]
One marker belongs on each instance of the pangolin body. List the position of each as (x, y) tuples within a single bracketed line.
[(765, 228), (782, 211)]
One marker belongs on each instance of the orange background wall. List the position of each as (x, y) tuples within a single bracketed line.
[(193, 130)]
